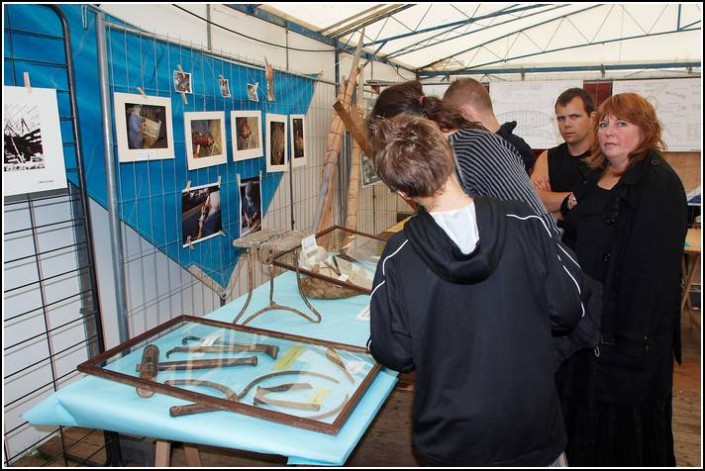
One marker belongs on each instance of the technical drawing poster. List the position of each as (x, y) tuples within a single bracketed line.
[(33, 153), (677, 103), (532, 106)]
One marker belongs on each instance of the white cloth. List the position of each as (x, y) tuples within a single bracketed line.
[(460, 225)]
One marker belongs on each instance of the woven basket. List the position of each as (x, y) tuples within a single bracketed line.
[(317, 288)]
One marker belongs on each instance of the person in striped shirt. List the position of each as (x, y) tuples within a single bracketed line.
[(486, 164)]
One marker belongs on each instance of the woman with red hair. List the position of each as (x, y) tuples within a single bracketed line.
[(628, 228)]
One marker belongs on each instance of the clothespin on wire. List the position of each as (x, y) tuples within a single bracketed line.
[(27, 83), (183, 93), (139, 89)]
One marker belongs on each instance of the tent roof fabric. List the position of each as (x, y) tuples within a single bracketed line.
[(460, 38)]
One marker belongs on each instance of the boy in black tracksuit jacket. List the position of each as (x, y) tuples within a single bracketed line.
[(474, 321)]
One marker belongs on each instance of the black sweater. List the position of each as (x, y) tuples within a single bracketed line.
[(477, 329)]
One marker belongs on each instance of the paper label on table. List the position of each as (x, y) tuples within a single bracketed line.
[(309, 245), (319, 395), (289, 357), (364, 315), (207, 342), (354, 366)]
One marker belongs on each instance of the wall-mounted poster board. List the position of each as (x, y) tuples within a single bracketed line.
[(531, 105), (678, 106)]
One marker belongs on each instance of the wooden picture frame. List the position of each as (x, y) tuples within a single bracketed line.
[(297, 381), (246, 132), (277, 149), (143, 125), (33, 150), (205, 139)]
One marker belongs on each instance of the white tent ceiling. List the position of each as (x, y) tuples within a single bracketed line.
[(457, 38)]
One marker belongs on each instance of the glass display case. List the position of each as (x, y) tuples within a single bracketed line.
[(297, 381), (342, 259)]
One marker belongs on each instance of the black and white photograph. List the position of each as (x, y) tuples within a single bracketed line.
[(205, 131), (32, 148), (182, 82), (201, 217), (298, 140), (247, 134), (224, 87), (250, 205), (143, 127), (277, 150)]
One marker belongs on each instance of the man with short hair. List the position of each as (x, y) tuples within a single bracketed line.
[(472, 100), (561, 171)]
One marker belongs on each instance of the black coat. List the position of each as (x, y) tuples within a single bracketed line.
[(641, 304), (477, 329)]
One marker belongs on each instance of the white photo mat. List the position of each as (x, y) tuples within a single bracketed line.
[(31, 117), (157, 132), (277, 148), (246, 146), (298, 139), (205, 139)]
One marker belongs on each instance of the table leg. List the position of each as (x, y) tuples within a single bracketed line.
[(690, 264), (162, 454), (193, 457)]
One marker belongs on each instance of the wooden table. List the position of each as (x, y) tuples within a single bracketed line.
[(691, 260)]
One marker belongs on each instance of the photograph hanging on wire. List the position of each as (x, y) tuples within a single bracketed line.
[(205, 139), (143, 127), (224, 87), (182, 82), (252, 91), (298, 139), (367, 172), (247, 134), (277, 150), (32, 148), (269, 74), (201, 217), (250, 206)]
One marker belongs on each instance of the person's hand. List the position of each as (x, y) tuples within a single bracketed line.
[(572, 201)]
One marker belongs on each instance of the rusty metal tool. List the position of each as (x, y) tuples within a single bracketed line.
[(333, 356), (147, 369), (184, 365), (223, 346), (261, 399), (188, 409)]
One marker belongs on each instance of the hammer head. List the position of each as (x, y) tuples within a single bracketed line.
[(148, 368)]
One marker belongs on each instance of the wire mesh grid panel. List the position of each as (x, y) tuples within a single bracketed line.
[(51, 320), (169, 267)]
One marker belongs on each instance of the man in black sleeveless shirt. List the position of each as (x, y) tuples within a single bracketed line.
[(561, 172)]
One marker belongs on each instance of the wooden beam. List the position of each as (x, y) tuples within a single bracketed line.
[(355, 125)]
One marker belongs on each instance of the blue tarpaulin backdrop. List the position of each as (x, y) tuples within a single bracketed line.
[(149, 193)]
